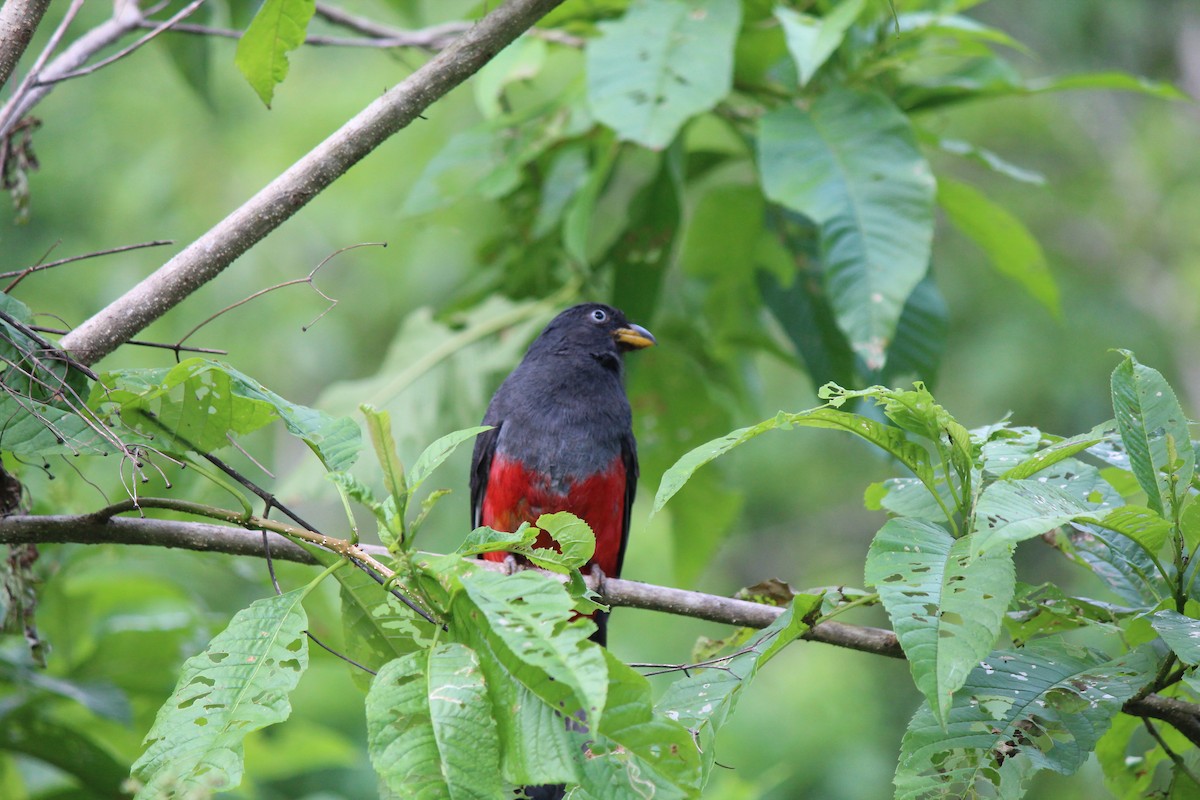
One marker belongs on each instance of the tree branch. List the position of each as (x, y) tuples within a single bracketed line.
[(205, 258), (18, 20)]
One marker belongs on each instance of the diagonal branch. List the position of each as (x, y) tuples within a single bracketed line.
[(205, 258), (18, 20)]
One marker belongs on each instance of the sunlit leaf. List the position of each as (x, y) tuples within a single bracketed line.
[(1181, 633), (277, 29), (1009, 512)]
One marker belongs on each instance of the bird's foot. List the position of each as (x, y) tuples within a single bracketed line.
[(510, 564), (599, 577)]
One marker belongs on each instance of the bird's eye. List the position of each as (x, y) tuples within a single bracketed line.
[(599, 316)]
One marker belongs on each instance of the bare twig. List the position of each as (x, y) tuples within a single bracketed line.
[(309, 279), (215, 351), (18, 20), (209, 255), (157, 29), (21, 273), (431, 39)]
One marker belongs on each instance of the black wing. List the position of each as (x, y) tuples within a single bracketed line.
[(481, 465), (629, 456)]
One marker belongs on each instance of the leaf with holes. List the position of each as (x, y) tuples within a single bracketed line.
[(430, 728), (239, 684), (946, 607), (1009, 512), (661, 64), (1044, 706), (197, 404), (378, 628), (1155, 432)]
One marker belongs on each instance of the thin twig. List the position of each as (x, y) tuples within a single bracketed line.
[(430, 39), (21, 273), (186, 348), (52, 352), (1176, 759), (309, 279), (158, 29)]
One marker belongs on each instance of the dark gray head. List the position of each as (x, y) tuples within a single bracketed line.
[(591, 329)]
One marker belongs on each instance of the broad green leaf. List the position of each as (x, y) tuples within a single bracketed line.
[(638, 752), (1140, 524), (946, 607), (885, 437), (1009, 245), (485, 160), (850, 162), (531, 613), (430, 728), (1155, 432), (812, 40), (198, 404), (1009, 512), (436, 454), (487, 540), (925, 23), (1044, 706), (239, 684), (1057, 452), (1182, 634), (1006, 447), (703, 700), (528, 615), (1120, 562), (661, 64), (521, 60), (377, 627), (909, 497), (1037, 611), (277, 29)]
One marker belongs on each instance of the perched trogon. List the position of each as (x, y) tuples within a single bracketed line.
[(562, 437)]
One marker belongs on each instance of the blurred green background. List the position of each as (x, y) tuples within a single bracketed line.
[(132, 153)]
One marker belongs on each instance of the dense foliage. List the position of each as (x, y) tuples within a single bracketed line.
[(750, 179)]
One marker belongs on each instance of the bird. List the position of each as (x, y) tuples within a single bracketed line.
[(561, 437)]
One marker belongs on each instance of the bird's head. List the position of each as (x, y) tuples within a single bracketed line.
[(593, 328)]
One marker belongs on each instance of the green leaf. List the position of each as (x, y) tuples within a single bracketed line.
[(239, 684), (377, 627), (1009, 245), (1140, 524), (436, 454), (1057, 452), (430, 729), (1182, 634), (528, 623), (1009, 512), (704, 699), (575, 539), (661, 64), (987, 158), (638, 752), (850, 162), (887, 438), (946, 607), (1119, 81), (916, 351), (1120, 562), (277, 29), (198, 403), (1155, 433), (190, 54), (812, 40), (480, 161), (1044, 706)]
